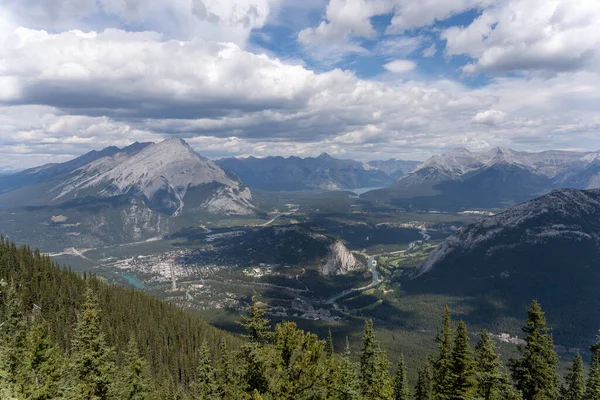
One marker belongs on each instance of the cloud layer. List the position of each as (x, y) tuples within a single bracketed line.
[(67, 87)]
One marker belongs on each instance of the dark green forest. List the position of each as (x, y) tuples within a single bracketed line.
[(67, 336)]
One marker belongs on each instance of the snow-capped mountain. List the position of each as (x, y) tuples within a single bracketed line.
[(162, 174), (546, 249), (497, 178)]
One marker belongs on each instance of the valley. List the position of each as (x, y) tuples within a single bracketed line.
[(336, 250)]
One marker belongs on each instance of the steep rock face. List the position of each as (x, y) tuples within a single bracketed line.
[(340, 261), (162, 174)]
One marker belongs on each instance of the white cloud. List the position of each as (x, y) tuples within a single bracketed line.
[(430, 51), (400, 66), (490, 117), (534, 35), (223, 20), (345, 20), (409, 14), (64, 93)]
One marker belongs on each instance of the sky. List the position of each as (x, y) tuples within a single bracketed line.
[(362, 79)]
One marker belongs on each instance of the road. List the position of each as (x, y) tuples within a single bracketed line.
[(376, 279)]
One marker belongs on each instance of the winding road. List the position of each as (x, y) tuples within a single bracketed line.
[(372, 265)]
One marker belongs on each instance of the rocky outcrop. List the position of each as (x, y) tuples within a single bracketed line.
[(340, 261)]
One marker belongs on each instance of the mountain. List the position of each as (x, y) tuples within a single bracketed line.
[(547, 248), (498, 178), (395, 168), (162, 174), (45, 172), (118, 195), (295, 173)]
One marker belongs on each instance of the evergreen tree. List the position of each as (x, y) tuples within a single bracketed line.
[(301, 365), (255, 355), (592, 391), (133, 382), (441, 364), (92, 367), (423, 390), (575, 381), (535, 372), (462, 366), (375, 380), (227, 375), (255, 324), (13, 333), (401, 391), (205, 386), (329, 350), (347, 385), (492, 381), (42, 365), (330, 381)]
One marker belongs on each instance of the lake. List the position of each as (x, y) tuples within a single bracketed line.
[(134, 281)]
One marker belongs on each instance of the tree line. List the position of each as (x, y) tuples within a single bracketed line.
[(42, 359)]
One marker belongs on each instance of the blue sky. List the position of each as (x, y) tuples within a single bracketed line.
[(363, 79)]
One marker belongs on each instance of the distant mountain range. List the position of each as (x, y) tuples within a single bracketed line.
[(323, 172), (498, 178), (546, 249)]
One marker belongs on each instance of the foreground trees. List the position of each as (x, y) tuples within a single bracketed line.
[(274, 362)]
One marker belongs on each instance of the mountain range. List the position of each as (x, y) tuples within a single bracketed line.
[(322, 172), (498, 178), (547, 249)]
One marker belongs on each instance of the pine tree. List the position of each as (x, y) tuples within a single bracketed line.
[(255, 355), (300, 363), (423, 390), (347, 385), (329, 350), (13, 332), (492, 381), (133, 382), (330, 381), (42, 365), (255, 324), (92, 367), (227, 375), (375, 381), (441, 364), (592, 391), (575, 381), (205, 386), (401, 391), (462, 366), (535, 372)]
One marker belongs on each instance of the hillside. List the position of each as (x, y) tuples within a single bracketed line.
[(547, 248), (168, 337)]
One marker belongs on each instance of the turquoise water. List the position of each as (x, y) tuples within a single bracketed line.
[(134, 281)]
